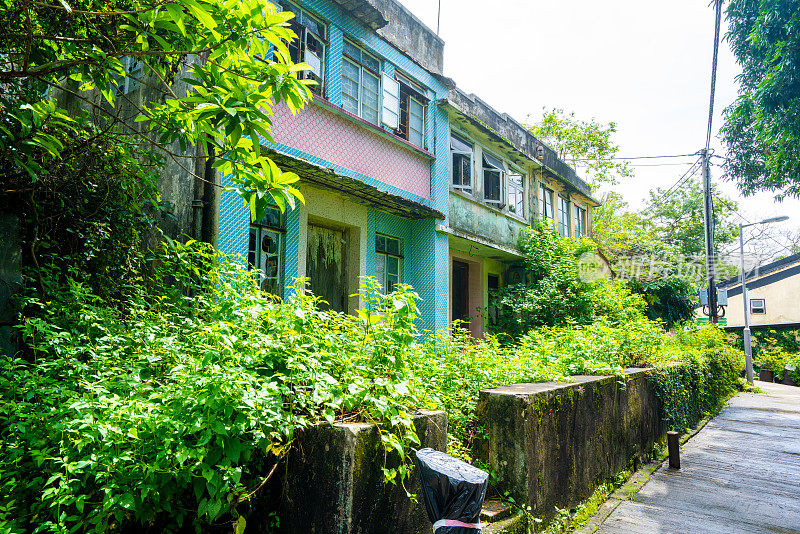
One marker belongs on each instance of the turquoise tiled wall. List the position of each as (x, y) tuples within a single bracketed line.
[(425, 250)]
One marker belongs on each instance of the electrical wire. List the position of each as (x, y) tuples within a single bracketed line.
[(717, 18), (644, 157), (685, 177)]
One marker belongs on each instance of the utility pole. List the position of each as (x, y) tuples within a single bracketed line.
[(708, 204), (708, 214)]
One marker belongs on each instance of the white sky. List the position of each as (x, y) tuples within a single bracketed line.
[(645, 65)]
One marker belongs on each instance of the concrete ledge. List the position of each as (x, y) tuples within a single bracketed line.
[(552, 444), (334, 483)]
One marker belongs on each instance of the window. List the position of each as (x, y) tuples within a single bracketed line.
[(516, 194), (580, 221), (361, 86), (309, 47), (546, 203), (461, 164), (563, 217), (412, 112), (758, 307), (493, 173), (388, 262), (266, 251), (133, 75)]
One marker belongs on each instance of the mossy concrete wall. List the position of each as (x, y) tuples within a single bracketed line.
[(551, 444), (334, 482)]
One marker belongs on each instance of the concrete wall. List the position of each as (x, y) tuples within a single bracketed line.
[(411, 36), (334, 483), (551, 444)]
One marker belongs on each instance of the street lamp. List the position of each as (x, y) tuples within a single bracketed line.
[(748, 351)]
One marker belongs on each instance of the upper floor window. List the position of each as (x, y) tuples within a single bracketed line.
[(461, 153), (546, 203), (265, 254), (563, 217), (309, 47), (493, 178), (361, 83), (580, 221), (516, 194), (413, 102), (388, 261)]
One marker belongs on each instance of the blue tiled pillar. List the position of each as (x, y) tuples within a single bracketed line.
[(291, 251), (333, 80), (234, 223)]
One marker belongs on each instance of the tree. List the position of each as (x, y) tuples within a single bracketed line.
[(583, 144), (626, 238), (762, 127), (233, 55), (679, 221)]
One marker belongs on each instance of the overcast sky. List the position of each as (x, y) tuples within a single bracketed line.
[(645, 65)]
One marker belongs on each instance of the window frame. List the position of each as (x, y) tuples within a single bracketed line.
[(467, 189), (581, 216), (498, 167), (261, 229), (753, 307), (302, 43), (513, 171), (545, 201), (362, 69), (410, 91), (563, 217), (387, 254)]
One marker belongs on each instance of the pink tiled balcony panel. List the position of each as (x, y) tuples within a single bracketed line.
[(344, 141)]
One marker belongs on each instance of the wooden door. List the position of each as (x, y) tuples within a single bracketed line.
[(326, 266)]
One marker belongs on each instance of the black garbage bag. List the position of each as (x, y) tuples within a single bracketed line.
[(452, 490)]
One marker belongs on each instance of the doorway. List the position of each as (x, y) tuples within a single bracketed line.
[(460, 296), (326, 266)]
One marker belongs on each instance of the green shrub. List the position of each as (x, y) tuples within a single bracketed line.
[(694, 373), (554, 294), (152, 411)]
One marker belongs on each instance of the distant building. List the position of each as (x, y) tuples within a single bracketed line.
[(774, 294)]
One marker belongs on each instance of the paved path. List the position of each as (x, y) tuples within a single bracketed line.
[(740, 474)]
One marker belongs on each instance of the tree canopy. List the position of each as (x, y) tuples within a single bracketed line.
[(233, 55), (762, 127), (583, 144)]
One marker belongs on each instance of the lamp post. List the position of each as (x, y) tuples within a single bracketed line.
[(748, 351)]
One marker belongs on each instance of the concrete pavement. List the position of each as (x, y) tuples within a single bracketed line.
[(740, 474)]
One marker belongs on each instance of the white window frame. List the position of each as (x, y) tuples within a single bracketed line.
[(581, 216), (756, 309), (563, 217), (390, 105), (362, 69), (500, 168), (520, 190), (301, 15), (385, 256), (469, 154), (545, 201), (421, 131), (271, 283)]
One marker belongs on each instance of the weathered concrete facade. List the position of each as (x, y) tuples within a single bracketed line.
[(551, 444), (500, 175)]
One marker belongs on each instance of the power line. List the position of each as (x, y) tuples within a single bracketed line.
[(717, 17), (642, 157), (685, 177)]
